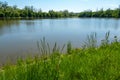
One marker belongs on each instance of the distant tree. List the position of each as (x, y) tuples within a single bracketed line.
[(30, 11), (119, 11), (101, 13), (87, 13), (1, 14), (108, 13), (1, 4), (66, 13), (40, 13), (4, 5), (52, 13)]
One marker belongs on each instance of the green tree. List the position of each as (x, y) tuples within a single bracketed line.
[(52, 13), (66, 13), (108, 13)]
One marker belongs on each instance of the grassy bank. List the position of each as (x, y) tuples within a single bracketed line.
[(87, 63)]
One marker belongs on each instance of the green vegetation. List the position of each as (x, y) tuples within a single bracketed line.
[(101, 13), (87, 63), (7, 11), (29, 12)]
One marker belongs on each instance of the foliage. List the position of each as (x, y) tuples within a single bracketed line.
[(30, 12), (101, 13)]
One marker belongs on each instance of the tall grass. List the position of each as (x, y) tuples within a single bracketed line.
[(45, 49), (89, 63)]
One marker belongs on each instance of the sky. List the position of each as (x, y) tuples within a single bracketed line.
[(71, 5)]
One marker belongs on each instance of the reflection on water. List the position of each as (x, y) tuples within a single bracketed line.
[(10, 26), (18, 37), (6, 26)]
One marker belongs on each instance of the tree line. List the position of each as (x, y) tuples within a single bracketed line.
[(30, 11), (101, 13)]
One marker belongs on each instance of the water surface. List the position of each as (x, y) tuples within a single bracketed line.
[(18, 37)]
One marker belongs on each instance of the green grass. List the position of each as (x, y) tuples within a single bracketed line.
[(87, 63)]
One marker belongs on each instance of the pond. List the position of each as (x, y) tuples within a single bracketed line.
[(19, 37)]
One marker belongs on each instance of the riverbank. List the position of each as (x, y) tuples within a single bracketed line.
[(87, 63)]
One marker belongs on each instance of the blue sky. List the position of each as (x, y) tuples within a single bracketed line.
[(71, 5)]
